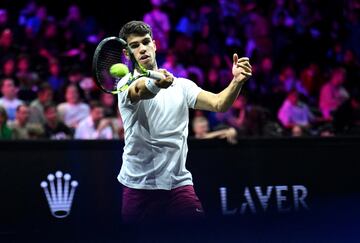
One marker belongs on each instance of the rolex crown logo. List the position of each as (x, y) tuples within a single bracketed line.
[(61, 193)]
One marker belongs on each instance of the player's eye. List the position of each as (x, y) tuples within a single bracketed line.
[(146, 42), (134, 46)]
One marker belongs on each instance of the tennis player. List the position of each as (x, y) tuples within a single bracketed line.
[(155, 113)]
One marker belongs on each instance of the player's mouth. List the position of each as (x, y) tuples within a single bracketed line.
[(144, 58)]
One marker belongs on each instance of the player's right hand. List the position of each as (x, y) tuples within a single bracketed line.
[(167, 81)]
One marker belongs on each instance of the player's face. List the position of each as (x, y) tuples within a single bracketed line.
[(144, 49)]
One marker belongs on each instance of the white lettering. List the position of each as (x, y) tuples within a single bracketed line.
[(264, 199), (280, 198), (249, 202), (223, 199), (297, 189)]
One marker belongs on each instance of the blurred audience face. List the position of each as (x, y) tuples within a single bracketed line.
[(72, 94), (22, 114), (8, 89), (51, 114), (45, 96), (41, 12), (200, 126), (6, 38), (54, 69), (51, 30), (107, 99), (296, 131), (338, 77), (293, 97), (240, 103), (23, 64), (266, 65), (97, 113), (74, 13), (216, 61), (3, 16), (9, 67), (213, 76)]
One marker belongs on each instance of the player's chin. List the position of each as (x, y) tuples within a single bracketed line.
[(148, 65)]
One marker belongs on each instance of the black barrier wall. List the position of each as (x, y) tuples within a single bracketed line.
[(312, 180)]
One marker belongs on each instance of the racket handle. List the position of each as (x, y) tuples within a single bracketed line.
[(155, 75)]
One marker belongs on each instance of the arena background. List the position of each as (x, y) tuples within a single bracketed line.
[(263, 189)]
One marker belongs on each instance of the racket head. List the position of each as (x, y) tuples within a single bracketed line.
[(108, 52)]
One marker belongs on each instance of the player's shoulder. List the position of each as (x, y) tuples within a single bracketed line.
[(122, 81), (184, 82)]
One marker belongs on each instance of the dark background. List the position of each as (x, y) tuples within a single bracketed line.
[(328, 168)]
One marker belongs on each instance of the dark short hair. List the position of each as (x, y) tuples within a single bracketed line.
[(5, 79), (95, 104), (49, 106), (19, 107), (135, 27), (44, 86)]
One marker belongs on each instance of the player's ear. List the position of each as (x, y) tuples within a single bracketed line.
[(154, 43), (126, 54)]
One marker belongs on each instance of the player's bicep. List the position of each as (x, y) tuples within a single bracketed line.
[(206, 101)]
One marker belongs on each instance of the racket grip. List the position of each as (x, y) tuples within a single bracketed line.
[(155, 75)]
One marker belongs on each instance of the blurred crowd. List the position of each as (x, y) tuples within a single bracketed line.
[(305, 58)]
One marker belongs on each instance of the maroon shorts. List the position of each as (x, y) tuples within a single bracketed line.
[(141, 206)]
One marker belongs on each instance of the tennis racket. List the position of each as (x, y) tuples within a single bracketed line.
[(109, 52)]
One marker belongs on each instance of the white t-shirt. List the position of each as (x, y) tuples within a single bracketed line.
[(299, 114), (10, 107), (156, 132), (86, 130), (72, 114)]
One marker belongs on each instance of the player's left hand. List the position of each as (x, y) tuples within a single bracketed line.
[(241, 68)]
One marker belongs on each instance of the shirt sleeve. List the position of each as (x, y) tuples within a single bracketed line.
[(123, 100), (191, 91)]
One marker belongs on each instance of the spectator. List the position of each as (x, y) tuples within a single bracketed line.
[(5, 131), (73, 110), (347, 116), (189, 23), (333, 94), (109, 105), (45, 97), (94, 126), (173, 66), (36, 22), (4, 19), (247, 119), (8, 69), (9, 99), (288, 80), (55, 79), (54, 128), (21, 127), (27, 79), (295, 115), (160, 23), (7, 45), (200, 126), (312, 79)]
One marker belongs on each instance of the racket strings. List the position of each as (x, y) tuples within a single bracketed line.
[(110, 54)]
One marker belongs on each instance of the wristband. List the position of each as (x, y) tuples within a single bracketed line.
[(151, 86)]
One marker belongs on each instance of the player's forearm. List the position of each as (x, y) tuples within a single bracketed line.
[(226, 98), (140, 92)]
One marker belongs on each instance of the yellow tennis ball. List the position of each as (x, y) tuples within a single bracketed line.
[(119, 70)]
